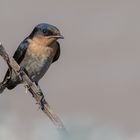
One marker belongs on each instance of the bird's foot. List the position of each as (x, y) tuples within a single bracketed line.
[(41, 102), (20, 73), (21, 70)]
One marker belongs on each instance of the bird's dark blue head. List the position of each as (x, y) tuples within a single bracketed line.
[(47, 30)]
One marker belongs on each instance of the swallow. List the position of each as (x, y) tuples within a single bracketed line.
[(35, 54)]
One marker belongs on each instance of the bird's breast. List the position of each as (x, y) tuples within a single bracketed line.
[(37, 50), (37, 60)]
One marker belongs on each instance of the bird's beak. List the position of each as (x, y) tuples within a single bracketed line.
[(57, 36)]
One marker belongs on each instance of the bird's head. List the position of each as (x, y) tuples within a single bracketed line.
[(46, 32)]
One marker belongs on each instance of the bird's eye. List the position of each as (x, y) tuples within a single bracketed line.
[(44, 31)]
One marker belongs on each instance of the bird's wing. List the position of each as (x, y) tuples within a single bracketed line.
[(18, 55), (57, 52), (21, 50)]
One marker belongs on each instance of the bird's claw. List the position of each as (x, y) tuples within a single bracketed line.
[(21, 70), (41, 102)]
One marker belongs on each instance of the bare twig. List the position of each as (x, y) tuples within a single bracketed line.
[(34, 90)]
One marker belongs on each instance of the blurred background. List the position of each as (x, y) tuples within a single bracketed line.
[(95, 85)]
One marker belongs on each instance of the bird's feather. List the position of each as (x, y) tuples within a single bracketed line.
[(18, 56), (57, 55), (20, 52)]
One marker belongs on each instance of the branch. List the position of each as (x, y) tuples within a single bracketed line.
[(33, 89)]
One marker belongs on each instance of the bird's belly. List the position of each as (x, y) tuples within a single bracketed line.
[(37, 60), (36, 67)]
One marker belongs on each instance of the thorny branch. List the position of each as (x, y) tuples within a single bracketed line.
[(34, 90)]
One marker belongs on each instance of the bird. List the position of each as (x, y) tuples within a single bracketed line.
[(35, 54)]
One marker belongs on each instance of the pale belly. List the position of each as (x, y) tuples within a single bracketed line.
[(36, 67)]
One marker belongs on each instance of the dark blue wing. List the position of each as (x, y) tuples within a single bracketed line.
[(57, 55), (21, 50), (18, 55)]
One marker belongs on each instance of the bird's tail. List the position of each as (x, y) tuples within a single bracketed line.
[(2, 87)]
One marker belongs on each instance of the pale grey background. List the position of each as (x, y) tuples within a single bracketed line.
[(97, 75)]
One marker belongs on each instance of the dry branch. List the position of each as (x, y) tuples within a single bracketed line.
[(34, 90)]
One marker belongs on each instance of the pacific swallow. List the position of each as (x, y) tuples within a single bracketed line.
[(35, 54)]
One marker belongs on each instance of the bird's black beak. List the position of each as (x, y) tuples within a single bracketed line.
[(57, 36)]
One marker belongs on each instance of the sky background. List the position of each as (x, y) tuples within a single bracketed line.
[(96, 82)]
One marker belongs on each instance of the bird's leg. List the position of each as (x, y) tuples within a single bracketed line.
[(41, 101), (21, 72)]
